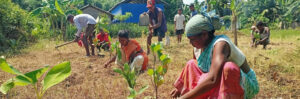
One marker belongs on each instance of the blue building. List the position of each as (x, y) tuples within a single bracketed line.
[(135, 7)]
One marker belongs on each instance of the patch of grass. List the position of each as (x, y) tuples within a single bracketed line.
[(42, 44), (285, 34), (273, 51), (277, 34)]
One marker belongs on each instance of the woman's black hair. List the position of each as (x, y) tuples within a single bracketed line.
[(180, 9), (123, 34), (192, 5), (70, 16), (260, 24), (211, 34)]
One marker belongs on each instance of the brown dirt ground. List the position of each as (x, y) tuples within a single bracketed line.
[(277, 70)]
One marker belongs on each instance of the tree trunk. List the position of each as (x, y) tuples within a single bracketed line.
[(53, 25), (233, 27), (208, 5), (62, 28), (56, 23)]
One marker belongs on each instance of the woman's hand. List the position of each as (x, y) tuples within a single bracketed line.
[(106, 64), (151, 27), (175, 93), (76, 39)]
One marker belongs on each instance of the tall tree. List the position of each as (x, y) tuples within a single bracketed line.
[(234, 6)]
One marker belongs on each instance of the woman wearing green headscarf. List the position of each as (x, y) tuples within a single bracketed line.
[(219, 69)]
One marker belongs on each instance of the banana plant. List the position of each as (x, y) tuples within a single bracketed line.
[(55, 11), (158, 72), (55, 75), (235, 6)]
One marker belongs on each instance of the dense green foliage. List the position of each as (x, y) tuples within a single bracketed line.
[(15, 26), (277, 13), (46, 19), (103, 4)]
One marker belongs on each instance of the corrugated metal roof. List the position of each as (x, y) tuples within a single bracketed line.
[(89, 5)]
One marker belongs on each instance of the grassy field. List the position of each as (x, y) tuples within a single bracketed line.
[(277, 68)]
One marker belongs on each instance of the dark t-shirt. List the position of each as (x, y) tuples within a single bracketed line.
[(154, 18)]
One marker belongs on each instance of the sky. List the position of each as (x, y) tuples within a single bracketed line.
[(190, 1)]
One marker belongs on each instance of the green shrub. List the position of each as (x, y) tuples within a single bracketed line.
[(171, 30), (15, 27), (135, 29)]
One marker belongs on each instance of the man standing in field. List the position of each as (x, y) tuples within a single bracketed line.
[(193, 11), (158, 24), (179, 24), (87, 22)]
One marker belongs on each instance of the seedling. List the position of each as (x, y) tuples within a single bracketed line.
[(130, 77), (157, 73)]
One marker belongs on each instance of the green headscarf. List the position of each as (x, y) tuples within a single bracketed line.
[(201, 22)]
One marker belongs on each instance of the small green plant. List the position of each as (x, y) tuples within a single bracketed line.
[(130, 77), (102, 23), (158, 72), (123, 17), (256, 36), (115, 47), (55, 75)]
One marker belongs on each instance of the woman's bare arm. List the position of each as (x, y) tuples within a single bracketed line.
[(110, 61)]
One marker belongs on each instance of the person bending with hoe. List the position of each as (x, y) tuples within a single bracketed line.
[(87, 22), (132, 53), (158, 23), (220, 71)]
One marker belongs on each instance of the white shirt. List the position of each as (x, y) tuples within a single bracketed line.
[(179, 19), (81, 21), (236, 55)]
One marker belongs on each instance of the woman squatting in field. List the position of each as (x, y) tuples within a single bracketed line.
[(219, 69), (132, 53)]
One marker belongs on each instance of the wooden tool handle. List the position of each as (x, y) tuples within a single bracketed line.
[(63, 44)]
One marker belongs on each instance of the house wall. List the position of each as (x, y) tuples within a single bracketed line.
[(94, 12), (135, 9), (117, 10)]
